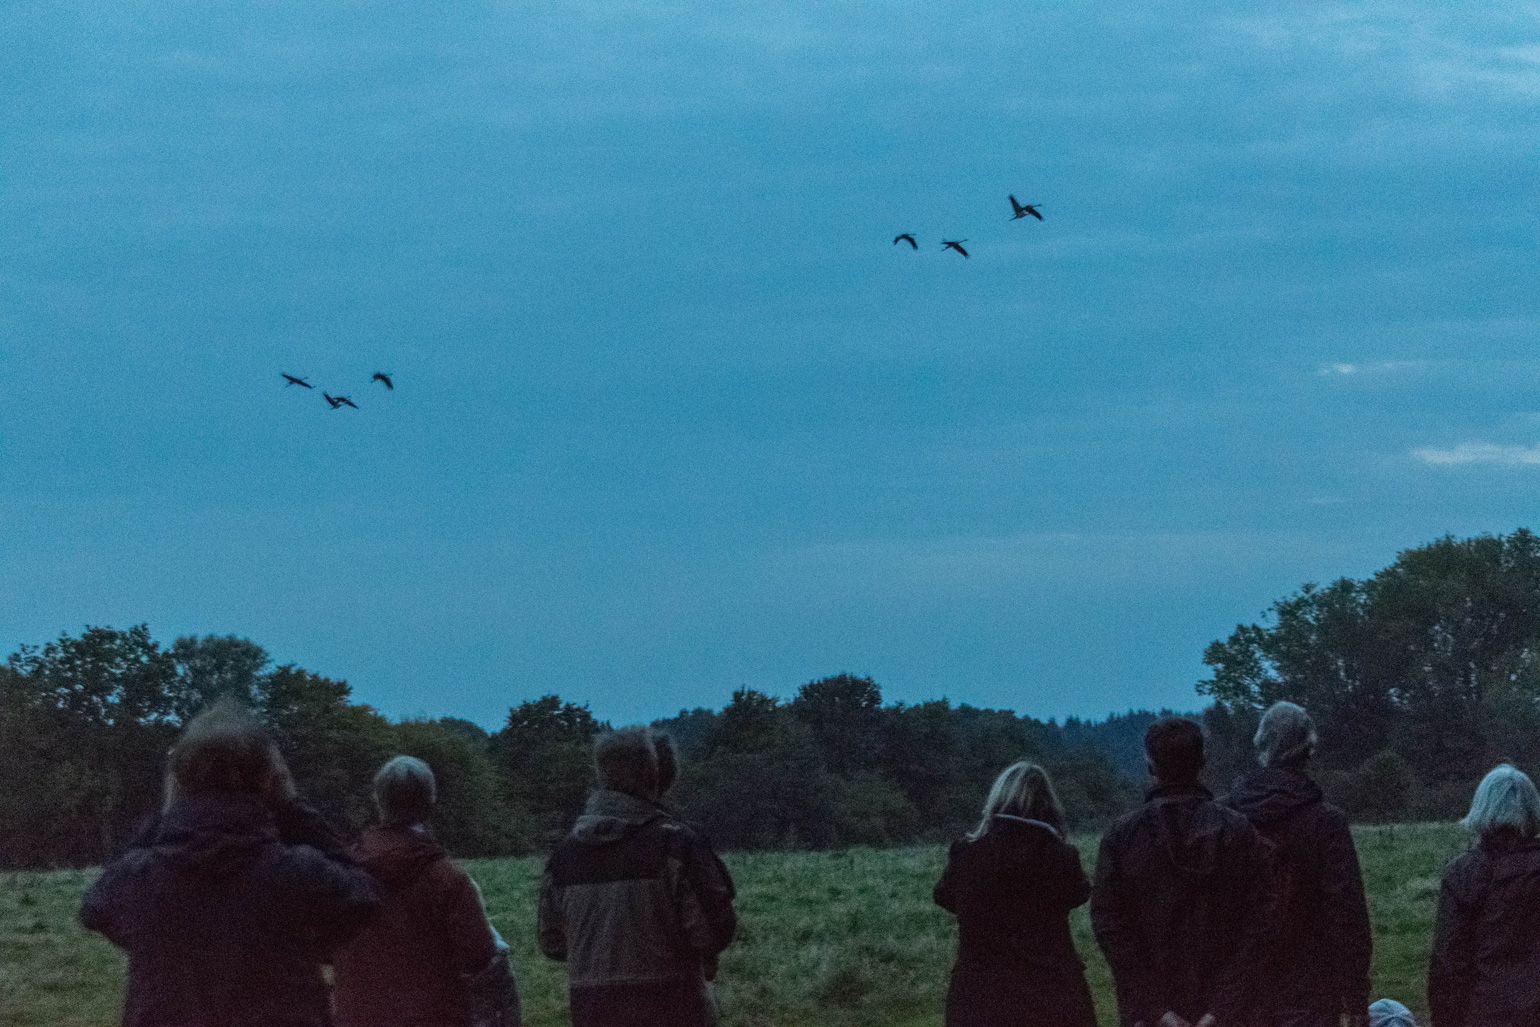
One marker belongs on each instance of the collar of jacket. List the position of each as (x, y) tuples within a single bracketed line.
[(1029, 821), (1178, 792), (610, 816)]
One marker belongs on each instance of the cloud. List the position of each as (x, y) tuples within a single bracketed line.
[(1379, 367), (1481, 453)]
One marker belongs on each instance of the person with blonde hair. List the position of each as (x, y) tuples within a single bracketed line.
[(226, 913), (1485, 967), (1011, 882)]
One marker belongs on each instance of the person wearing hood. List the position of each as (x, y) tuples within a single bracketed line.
[(1485, 967), (225, 915), (1179, 904), (1012, 883), (1387, 1012), (1315, 960), (413, 964), (634, 900)]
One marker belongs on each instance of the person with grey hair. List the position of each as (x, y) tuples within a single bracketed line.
[(1485, 967), (416, 963), (1314, 965), (1012, 883), (634, 900), (1387, 1012)]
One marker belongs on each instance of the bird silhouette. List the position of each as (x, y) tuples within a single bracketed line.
[(295, 381), (905, 236), (344, 401), (954, 244), (1023, 209), (380, 376), (336, 401)]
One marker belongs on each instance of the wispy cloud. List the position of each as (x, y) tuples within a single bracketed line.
[(1378, 367), (1481, 453)]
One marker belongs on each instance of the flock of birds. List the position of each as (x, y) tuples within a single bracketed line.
[(338, 401), (1019, 210)]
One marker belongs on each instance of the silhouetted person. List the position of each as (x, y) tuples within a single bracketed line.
[(1180, 899), (1012, 883), (954, 244), (1485, 968), (633, 899), (1314, 963), (1021, 210), (380, 376), (227, 919), (295, 381), (414, 964), (906, 237)]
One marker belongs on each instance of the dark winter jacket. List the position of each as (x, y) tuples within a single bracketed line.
[(1179, 907), (224, 923), (639, 907), (411, 965), (1316, 957), (1012, 890), (1485, 969)]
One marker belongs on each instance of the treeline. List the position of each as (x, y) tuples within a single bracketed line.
[(1420, 678), (85, 723)]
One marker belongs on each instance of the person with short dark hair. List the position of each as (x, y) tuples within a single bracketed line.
[(1180, 899), (1485, 967), (1314, 966), (414, 964), (1012, 883), (634, 900), (225, 915)]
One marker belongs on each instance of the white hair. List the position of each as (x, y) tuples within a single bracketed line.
[(1505, 798), (1022, 790), (404, 790), (1285, 735)]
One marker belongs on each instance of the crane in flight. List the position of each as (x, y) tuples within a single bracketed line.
[(337, 401), (954, 244), (905, 237), (295, 381), (1023, 209), (380, 376)]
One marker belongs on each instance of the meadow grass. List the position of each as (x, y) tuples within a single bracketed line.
[(831, 938)]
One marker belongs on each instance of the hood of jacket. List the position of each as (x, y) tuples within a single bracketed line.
[(397, 856), (1272, 794), (1190, 827), (612, 816), (214, 834)]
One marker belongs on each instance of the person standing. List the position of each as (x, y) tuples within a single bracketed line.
[(1314, 966), (413, 964), (1179, 904), (1011, 884), (634, 900), (232, 900), (1485, 967)]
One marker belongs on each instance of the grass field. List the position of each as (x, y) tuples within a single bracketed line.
[(848, 938)]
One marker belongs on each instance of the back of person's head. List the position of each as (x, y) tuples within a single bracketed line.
[(404, 791), (1174, 747), (1387, 1012), (1505, 801), (1022, 790), (636, 761), (225, 749), (1286, 736)]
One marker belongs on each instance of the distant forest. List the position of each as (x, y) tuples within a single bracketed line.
[(1420, 678)]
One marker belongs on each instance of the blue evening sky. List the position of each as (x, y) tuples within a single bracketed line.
[(673, 414)]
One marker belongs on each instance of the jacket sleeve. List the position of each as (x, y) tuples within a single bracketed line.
[(550, 928), (945, 892), (1347, 914), (1252, 905), (1077, 889), (338, 898), (471, 945), (300, 823), (101, 909), (1452, 966), (1115, 923), (703, 894)]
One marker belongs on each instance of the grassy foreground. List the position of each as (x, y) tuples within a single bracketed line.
[(847, 938)]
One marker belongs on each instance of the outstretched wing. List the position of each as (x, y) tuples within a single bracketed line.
[(1016, 207), (1034, 213), (349, 402)]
